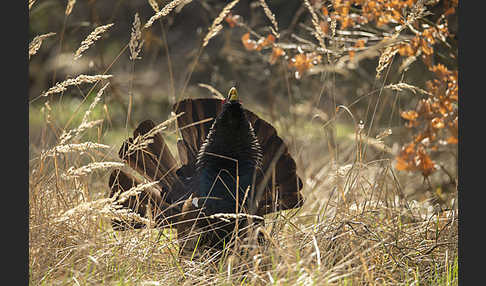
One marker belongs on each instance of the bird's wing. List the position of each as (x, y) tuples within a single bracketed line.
[(147, 153)]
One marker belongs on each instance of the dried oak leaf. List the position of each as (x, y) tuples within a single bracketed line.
[(276, 53)]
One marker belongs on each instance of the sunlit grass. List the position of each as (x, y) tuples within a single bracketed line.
[(357, 226)]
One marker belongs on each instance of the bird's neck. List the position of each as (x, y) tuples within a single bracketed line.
[(229, 139), (232, 148)]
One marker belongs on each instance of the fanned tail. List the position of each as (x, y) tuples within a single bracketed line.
[(148, 154), (278, 165), (278, 188), (194, 124)]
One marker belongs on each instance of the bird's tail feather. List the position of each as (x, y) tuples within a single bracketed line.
[(279, 184), (280, 193), (147, 153), (120, 182)]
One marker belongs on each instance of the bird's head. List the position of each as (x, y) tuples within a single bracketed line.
[(232, 96)]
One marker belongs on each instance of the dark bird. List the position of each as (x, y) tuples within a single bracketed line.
[(233, 169)]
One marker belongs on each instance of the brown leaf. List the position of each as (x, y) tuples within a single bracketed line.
[(437, 123), (410, 115), (276, 53), (249, 44)]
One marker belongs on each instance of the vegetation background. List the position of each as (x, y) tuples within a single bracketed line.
[(363, 92)]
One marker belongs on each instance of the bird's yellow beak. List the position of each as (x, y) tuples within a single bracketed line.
[(233, 94)]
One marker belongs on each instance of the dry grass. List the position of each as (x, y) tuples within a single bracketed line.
[(315, 22), (135, 43), (357, 226), (271, 17), (62, 86), (216, 26), (31, 3), (164, 12), (69, 7), (36, 43), (362, 231), (90, 39)]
